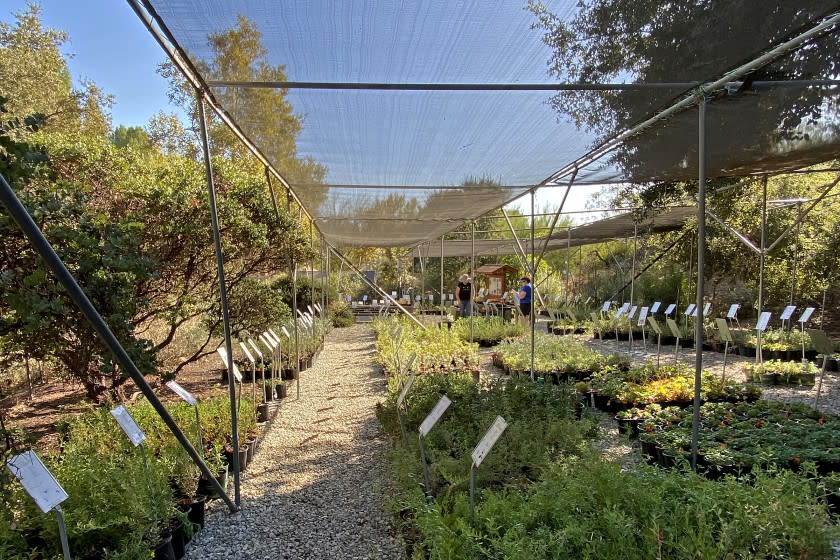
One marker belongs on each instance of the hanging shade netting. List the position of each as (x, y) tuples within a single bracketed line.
[(396, 167), (622, 226)]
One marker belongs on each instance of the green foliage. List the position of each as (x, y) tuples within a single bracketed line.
[(486, 330), (132, 137), (341, 314)]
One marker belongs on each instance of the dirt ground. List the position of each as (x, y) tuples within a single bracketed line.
[(55, 399)]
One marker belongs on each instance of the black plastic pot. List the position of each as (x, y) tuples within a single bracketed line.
[(262, 412), (196, 513), (164, 550)]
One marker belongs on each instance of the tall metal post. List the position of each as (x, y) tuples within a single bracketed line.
[(533, 314), (311, 266), (295, 326), (633, 265), (758, 357), (472, 277), (796, 251), (701, 265), (220, 267), (442, 296), (325, 297)]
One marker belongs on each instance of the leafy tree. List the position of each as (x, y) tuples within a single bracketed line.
[(36, 315), (133, 137)]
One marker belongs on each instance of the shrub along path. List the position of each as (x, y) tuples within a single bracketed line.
[(317, 483)]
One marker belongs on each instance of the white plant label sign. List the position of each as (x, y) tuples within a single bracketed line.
[(405, 390), (286, 332), (587, 300), (606, 306), (632, 312), (266, 339), (223, 355), (655, 307), (788, 312), (434, 415), (806, 314), (642, 316), (619, 313), (733, 309), (763, 319), (181, 392), (255, 348), (707, 308), (38, 482), (273, 334), (311, 311), (670, 308), (247, 352), (689, 311), (488, 441), (624, 307), (128, 425)]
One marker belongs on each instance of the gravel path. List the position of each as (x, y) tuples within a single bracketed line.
[(316, 486)]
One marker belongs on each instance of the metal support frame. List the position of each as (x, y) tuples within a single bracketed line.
[(761, 257), (472, 277), (39, 243), (523, 259), (373, 285), (220, 269), (533, 314), (701, 270)]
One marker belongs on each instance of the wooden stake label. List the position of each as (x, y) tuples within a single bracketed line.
[(37, 480), (488, 441), (434, 415)]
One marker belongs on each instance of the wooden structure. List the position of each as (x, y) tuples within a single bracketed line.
[(496, 279)]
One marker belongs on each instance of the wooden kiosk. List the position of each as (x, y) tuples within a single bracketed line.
[(496, 279)]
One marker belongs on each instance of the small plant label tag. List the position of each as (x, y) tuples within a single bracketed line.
[(655, 307), (488, 441), (286, 332), (255, 348), (806, 314), (405, 390), (675, 329), (311, 311), (654, 324), (642, 317), (37, 480), (268, 341), (670, 308), (733, 310), (763, 319), (787, 313), (128, 425), (224, 356), (434, 415), (606, 306), (273, 334), (707, 308), (619, 313), (247, 352), (689, 311), (624, 307), (632, 312), (723, 330), (181, 392)]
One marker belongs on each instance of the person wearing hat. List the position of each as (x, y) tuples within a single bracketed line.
[(525, 291), (465, 295)]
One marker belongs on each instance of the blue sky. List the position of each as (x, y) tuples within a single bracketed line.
[(110, 46)]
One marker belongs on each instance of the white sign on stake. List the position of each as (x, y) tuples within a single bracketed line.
[(267, 340), (707, 308), (619, 313), (255, 348), (311, 311), (434, 415), (587, 300), (642, 316), (247, 352), (689, 311), (733, 309), (488, 441), (128, 425), (274, 334), (632, 312), (405, 389), (38, 482), (763, 319), (606, 306), (655, 307), (625, 306), (670, 308), (787, 313), (286, 332), (181, 392), (223, 355), (806, 314)]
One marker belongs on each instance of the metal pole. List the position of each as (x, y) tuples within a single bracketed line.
[(426, 478), (220, 267), (472, 277), (311, 267), (472, 491), (701, 270), (633, 265), (442, 298), (761, 256), (796, 252), (40, 244), (533, 287), (296, 329), (62, 532), (523, 258)]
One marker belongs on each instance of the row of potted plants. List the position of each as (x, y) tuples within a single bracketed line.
[(781, 372), (743, 436), (402, 346), (123, 502), (486, 331), (557, 358)]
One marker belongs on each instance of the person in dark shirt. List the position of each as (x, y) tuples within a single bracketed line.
[(465, 295), (525, 290)]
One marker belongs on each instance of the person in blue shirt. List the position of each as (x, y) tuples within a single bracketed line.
[(525, 290)]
